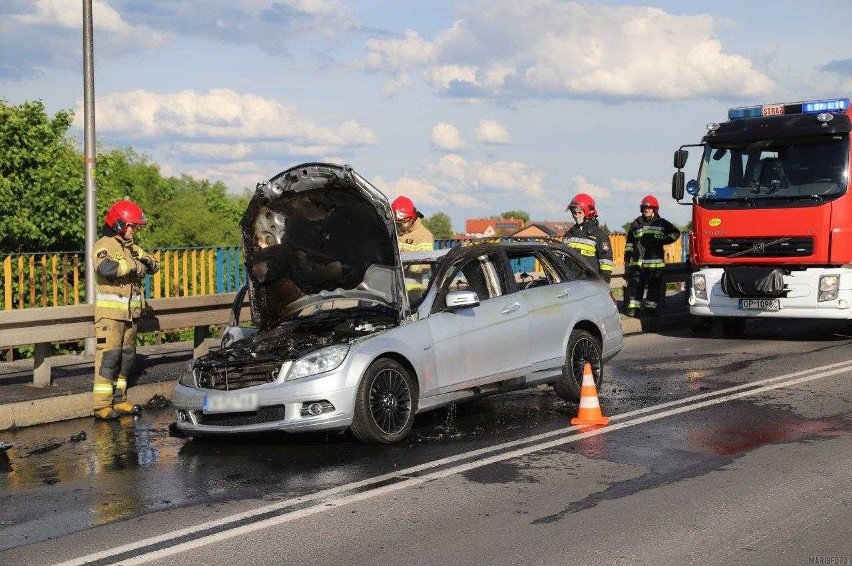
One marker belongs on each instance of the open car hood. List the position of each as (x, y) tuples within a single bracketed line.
[(320, 237)]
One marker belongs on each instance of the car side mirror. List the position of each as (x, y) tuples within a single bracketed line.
[(677, 185), (461, 299), (680, 157)]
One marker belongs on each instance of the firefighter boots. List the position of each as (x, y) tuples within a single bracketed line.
[(106, 414), (631, 313), (127, 408)]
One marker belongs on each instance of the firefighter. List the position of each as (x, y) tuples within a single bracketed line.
[(413, 236), (643, 257), (587, 237), (119, 266)]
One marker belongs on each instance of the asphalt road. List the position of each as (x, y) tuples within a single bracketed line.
[(718, 451)]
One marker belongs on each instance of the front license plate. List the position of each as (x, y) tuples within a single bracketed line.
[(230, 403), (760, 304)]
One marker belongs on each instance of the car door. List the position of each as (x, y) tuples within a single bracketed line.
[(491, 340), (541, 286), (582, 286)]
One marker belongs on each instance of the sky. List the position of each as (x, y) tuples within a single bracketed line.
[(470, 108)]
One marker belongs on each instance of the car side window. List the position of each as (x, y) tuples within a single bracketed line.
[(476, 274), (572, 269), (530, 268)]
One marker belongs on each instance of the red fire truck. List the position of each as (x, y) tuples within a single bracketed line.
[(771, 215)]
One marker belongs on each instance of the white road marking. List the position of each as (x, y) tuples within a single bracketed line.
[(658, 411)]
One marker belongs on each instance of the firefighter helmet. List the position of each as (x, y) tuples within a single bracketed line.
[(403, 209), (585, 203), (650, 201), (122, 213)]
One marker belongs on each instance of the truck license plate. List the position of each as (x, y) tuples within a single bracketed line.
[(760, 304), (230, 403)]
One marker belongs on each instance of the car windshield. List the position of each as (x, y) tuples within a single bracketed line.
[(776, 172)]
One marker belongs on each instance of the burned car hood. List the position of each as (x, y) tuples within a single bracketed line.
[(296, 337), (320, 237)]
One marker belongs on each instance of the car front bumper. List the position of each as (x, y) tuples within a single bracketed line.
[(279, 408)]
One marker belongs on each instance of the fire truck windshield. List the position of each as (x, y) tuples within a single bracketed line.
[(774, 172)]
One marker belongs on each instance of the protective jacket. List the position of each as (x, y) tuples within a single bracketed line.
[(645, 240), (592, 242), (119, 269), (419, 239)]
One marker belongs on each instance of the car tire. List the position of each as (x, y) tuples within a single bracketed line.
[(582, 348), (733, 327), (385, 404)]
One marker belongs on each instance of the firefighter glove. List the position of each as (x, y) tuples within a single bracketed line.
[(151, 264)]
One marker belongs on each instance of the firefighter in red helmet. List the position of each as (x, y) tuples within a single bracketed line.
[(644, 259), (412, 236), (587, 237), (119, 265)]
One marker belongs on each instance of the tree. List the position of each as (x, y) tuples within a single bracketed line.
[(42, 199), (440, 225), (626, 226), (522, 214), (41, 181)]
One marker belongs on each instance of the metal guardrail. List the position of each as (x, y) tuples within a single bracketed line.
[(47, 325), (672, 273)]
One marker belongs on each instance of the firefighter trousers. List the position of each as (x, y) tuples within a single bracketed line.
[(644, 287), (115, 351)]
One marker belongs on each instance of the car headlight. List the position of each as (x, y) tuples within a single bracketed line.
[(320, 361), (699, 286), (187, 378), (829, 286)]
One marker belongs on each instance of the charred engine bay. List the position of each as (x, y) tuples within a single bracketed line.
[(297, 337)]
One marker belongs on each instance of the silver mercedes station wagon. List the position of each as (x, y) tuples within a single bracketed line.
[(341, 339)]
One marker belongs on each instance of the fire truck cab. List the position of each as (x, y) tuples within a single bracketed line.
[(771, 214)]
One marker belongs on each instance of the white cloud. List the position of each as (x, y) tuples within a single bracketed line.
[(246, 123), (508, 49), (583, 185), (458, 175), (395, 86), (466, 201), (399, 53), (492, 131), (42, 34), (69, 15), (446, 137), (639, 187), (421, 192), (238, 174)]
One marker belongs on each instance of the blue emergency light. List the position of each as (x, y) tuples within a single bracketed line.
[(806, 107), (832, 105)]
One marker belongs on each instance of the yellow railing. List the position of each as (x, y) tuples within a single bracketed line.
[(58, 279), (673, 252)]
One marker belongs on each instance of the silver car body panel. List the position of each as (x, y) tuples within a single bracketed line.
[(515, 339)]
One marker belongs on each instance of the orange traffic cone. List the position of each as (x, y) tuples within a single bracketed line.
[(590, 409)]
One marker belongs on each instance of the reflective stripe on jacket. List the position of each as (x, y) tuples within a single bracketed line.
[(592, 242), (118, 296), (419, 239), (645, 241)]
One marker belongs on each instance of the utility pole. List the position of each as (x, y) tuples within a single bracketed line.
[(90, 151)]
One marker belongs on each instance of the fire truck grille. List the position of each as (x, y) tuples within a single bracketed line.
[(762, 247), (228, 379), (262, 415)]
